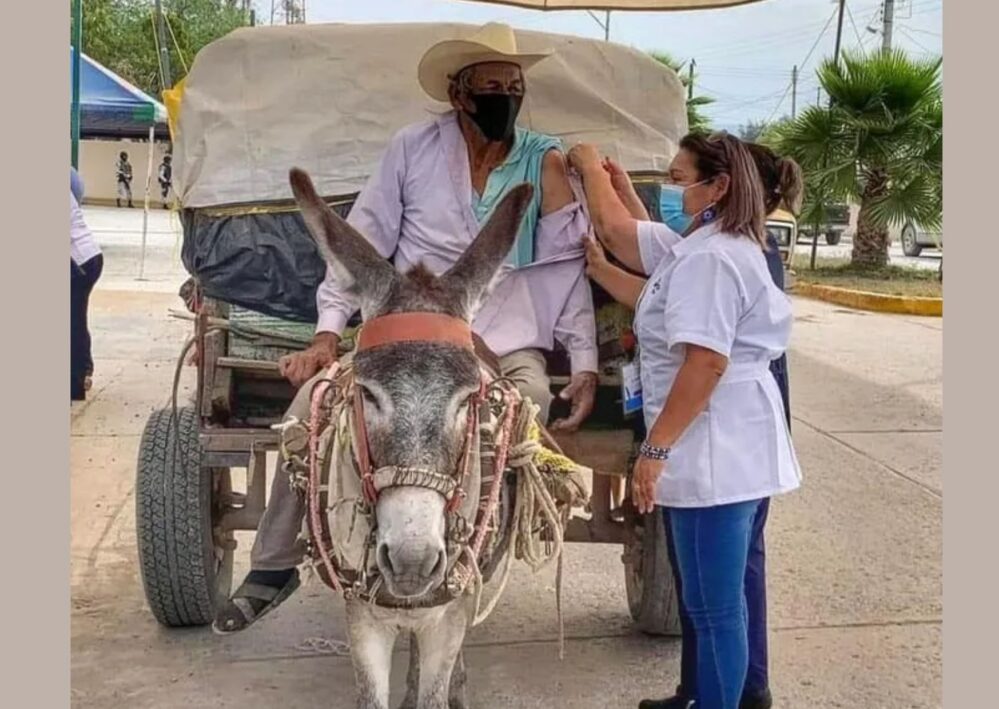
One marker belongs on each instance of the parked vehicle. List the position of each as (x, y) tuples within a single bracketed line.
[(915, 239), (832, 231), (782, 225)]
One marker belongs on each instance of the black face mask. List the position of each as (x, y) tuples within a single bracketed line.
[(496, 114)]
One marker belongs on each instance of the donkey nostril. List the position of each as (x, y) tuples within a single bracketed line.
[(439, 567), (385, 559)]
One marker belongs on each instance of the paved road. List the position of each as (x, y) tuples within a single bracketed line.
[(855, 556)]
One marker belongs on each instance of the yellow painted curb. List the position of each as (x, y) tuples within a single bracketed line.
[(864, 300)]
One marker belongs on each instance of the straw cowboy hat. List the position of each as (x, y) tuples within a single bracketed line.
[(493, 42)]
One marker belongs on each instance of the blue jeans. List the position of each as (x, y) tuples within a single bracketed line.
[(711, 546)]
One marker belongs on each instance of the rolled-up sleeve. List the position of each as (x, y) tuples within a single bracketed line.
[(562, 232), (704, 302), (654, 241), (377, 215)]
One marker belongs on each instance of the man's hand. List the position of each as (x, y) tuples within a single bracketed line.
[(581, 390), (643, 483), (300, 367)]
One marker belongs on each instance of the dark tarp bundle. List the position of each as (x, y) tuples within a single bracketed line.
[(267, 261)]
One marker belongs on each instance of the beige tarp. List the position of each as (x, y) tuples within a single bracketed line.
[(620, 4), (327, 98)]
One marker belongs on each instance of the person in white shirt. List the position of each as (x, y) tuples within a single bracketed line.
[(85, 265), (709, 321)]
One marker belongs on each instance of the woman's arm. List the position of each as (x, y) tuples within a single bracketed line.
[(616, 228), (624, 287), (688, 397)]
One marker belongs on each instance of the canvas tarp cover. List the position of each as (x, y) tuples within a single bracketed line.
[(328, 97)]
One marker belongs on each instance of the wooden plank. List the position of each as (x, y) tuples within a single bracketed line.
[(237, 440), (249, 365)]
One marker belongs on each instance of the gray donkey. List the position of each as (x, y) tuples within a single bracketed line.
[(416, 396)]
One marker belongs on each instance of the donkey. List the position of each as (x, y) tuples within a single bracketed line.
[(416, 397)]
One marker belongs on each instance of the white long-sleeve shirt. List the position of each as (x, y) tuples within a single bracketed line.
[(417, 207), (82, 245)]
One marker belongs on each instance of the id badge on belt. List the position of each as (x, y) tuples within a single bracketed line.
[(631, 388)]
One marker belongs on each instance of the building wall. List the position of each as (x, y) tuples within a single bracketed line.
[(97, 168)]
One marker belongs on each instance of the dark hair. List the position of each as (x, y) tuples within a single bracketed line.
[(782, 181), (742, 210)]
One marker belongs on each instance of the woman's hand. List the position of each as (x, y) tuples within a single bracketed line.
[(625, 190), (643, 483), (584, 157), (619, 178), (596, 257)]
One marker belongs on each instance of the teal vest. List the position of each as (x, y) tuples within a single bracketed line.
[(523, 164)]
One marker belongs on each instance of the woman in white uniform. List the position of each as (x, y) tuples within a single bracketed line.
[(709, 320)]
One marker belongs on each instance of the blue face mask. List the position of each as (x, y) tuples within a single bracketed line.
[(671, 207)]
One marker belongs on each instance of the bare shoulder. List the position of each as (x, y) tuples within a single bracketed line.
[(555, 189)]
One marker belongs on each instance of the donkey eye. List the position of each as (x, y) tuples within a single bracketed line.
[(367, 396)]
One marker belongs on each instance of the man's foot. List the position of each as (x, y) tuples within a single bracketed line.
[(763, 700), (258, 595)]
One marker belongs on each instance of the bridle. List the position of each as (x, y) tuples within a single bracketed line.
[(415, 327), (338, 385)]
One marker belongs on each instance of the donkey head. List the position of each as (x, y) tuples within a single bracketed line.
[(416, 394)]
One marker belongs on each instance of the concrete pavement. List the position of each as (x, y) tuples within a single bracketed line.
[(855, 556)]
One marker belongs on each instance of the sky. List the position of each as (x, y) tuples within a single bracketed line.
[(744, 55)]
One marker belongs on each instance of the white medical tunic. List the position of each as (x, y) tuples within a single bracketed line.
[(713, 289)]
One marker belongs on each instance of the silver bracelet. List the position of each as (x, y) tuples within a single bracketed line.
[(647, 450)]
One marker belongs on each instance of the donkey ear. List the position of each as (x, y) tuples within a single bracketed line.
[(472, 274), (354, 260)]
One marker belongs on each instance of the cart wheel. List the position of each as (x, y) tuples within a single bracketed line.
[(186, 563), (648, 577)]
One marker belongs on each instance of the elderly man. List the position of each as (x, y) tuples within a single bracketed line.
[(437, 183)]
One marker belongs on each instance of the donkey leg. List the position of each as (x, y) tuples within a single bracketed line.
[(371, 644), (413, 675), (459, 679), (440, 644)]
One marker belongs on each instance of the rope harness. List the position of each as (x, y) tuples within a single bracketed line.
[(526, 491)]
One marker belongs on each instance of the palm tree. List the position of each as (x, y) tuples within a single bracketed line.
[(880, 143), (697, 122)]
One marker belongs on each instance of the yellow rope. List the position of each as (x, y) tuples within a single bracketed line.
[(176, 45)]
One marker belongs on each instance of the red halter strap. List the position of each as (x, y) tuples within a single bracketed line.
[(412, 327)]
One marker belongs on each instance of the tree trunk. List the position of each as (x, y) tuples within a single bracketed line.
[(870, 243)]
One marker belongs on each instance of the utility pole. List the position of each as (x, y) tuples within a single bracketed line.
[(818, 95), (74, 108), (888, 18), (161, 35), (839, 31), (607, 27), (794, 91), (690, 79)]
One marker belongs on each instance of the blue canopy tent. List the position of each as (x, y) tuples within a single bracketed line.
[(110, 107)]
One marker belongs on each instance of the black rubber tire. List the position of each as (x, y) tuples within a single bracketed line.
[(652, 597), (184, 574), (833, 237), (910, 247)]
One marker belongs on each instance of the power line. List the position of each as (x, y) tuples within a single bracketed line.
[(915, 41), (854, 25)]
